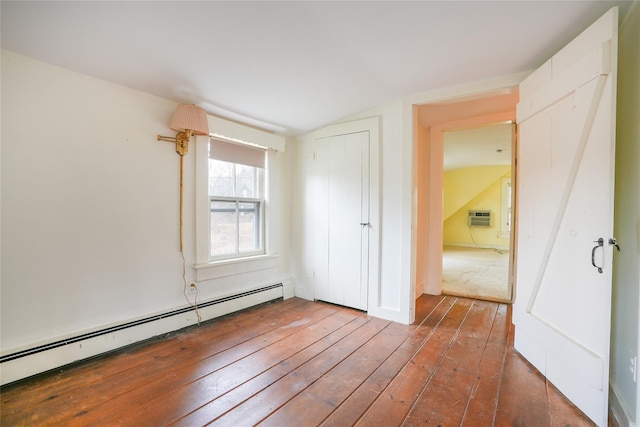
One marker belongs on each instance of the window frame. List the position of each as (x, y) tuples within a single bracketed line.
[(205, 269), (261, 201), (505, 208)]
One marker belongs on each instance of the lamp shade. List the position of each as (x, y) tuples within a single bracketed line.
[(190, 117)]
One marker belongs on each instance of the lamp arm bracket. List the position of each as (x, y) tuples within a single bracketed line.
[(181, 140), (167, 138)]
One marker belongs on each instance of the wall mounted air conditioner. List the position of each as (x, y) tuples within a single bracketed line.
[(479, 219)]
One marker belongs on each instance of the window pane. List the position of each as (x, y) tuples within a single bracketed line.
[(224, 231), (246, 182), (235, 192), (249, 226), (221, 178)]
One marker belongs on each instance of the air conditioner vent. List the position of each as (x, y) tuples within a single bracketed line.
[(479, 219)]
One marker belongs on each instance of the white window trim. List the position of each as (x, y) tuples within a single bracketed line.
[(230, 267), (205, 268), (504, 218)]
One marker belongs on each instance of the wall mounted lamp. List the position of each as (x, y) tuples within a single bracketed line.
[(188, 120)]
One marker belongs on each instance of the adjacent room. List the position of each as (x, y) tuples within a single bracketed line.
[(477, 212), (319, 213)]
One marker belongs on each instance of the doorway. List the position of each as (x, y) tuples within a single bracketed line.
[(477, 211), (432, 123)]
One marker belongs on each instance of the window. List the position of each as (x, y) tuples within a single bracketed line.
[(505, 226), (236, 200)]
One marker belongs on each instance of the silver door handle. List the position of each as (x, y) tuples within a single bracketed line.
[(365, 224), (600, 243)]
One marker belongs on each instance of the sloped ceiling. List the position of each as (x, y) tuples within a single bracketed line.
[(479, 146), (290, 67)]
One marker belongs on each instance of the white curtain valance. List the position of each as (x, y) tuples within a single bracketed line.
[(233, 131)]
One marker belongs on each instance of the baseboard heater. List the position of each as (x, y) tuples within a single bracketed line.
[(82, 337)]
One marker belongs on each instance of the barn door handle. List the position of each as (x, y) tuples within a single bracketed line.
[(364, 224), (600, 243)]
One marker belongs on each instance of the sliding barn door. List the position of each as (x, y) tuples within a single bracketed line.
[(562, 311), (337, 217)]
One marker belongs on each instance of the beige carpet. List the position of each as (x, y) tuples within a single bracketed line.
[(476, 272)]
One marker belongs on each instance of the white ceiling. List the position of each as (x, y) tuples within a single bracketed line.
[(480, 146), (293, 66)]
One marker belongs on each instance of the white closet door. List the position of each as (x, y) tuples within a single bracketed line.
[(348, 218), (337, 195)]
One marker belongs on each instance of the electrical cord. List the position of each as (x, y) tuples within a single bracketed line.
[(472, 237), (193, 304)]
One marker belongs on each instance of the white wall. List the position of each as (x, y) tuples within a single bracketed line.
[(395, 215), (626, 276), (398, 196), (90, 207)]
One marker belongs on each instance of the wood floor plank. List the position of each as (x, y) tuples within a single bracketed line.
[(66, 391), (444, 397), (259, 406), (219, 406), (196, 366), (192, 348), (522, 399), (482, 403), (360, 400), (563, 412), (304, 363), (64, 379), (177, 402), (425, 305), (321, 398), (392, 406)]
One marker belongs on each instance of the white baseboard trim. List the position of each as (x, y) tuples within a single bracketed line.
[(465, 245), (21, 364), (289, 288), (304, 293)]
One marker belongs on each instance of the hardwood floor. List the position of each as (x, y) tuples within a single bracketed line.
[(302, 363)]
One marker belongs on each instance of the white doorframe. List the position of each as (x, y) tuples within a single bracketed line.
[(433, 258), (468, 91)]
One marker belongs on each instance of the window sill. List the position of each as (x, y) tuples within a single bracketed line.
[(230, 267)]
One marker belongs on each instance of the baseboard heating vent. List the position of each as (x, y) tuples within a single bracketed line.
[(82, 337), (479, 219)]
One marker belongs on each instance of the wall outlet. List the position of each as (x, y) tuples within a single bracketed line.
[(633, 367), (192, 289)]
